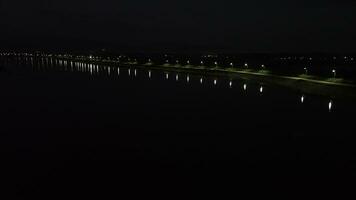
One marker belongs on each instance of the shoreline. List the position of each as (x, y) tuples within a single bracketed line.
[(306, 86), (334, 90)]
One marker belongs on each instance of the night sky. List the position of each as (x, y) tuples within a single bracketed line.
[(184, 25)]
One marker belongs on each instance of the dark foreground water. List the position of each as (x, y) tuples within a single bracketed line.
[(95, 130)]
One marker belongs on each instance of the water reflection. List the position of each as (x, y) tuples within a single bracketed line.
[(94, 69), (330, 105)]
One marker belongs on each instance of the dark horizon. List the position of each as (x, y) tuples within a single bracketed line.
[(181, 26)]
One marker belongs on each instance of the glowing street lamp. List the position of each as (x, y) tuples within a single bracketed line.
[(177, 61), (302, 99), (334, 73), (246, 65), (261, 89), (188, 62), (230, 84), (305, 70), (232, 64), (245, 87), (216, 64), (188, 79), (263, 66), (215, 82), (201, 62), (201, 80)]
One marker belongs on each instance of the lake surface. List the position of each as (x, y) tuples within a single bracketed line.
[(69, 126)]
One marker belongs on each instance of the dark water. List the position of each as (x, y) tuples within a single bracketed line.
[(96, 130)]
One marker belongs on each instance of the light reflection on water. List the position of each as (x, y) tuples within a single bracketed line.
[(94, 69)]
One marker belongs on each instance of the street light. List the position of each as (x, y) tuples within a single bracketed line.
[(216, 64), (232, 64), (245, 87), (334, 73), (201, 62), (246, 65), (306, 71), (188, 62), (262, 66), (302, 99), (230, 84)]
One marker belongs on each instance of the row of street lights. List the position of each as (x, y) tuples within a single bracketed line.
[(333, 71), (202, 63)]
